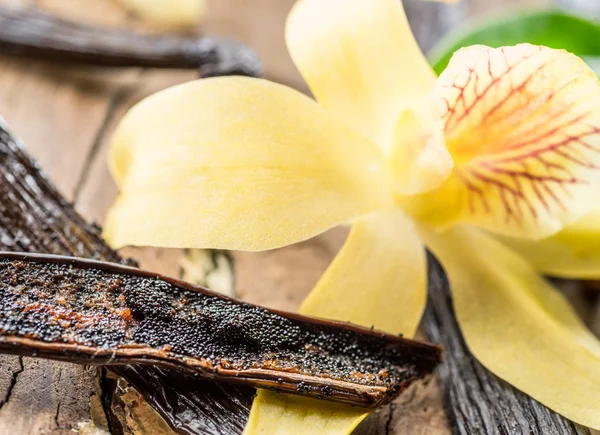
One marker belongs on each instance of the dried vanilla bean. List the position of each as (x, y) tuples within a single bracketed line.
[(31, 33), (94, 312)]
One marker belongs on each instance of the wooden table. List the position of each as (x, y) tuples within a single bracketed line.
[(66, 115)]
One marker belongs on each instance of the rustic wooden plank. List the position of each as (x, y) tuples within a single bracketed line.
[(39, 396), (419, 412), (41, 104), (60, 113), (10, 369), (47, 398)]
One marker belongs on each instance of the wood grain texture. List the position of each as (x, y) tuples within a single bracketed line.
[(419, 412), (33, 91), (60, 403), (41, 100)]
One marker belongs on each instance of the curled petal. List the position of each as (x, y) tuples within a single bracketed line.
[(378, 278), (419, 157), (360, 59), (238, 163), (573, 252), (518, 325), (523, 127)]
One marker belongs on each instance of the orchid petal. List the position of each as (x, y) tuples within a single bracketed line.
[(360, 59), (283, 414), (238, 163), (378, 279), (518, 325), (522, 124), (574, 252)]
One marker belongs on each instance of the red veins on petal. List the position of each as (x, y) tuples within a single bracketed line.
[(523, 127)]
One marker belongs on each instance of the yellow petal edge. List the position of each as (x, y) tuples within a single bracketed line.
[(518, 325), (378, 279), (282, 414), (168, 13), (522, 125), (238, 163)]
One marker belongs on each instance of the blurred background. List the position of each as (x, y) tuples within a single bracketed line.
[(260, 23)]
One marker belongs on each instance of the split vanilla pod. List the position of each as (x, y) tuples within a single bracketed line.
[(93, 312)]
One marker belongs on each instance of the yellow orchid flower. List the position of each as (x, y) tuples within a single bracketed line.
[(501, 150)]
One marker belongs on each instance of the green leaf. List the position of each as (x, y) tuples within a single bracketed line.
[(551, 28)]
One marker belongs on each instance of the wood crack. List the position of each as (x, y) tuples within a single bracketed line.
[(107, 388), (104, 398), (116, 100), (13, 382), (56, 415)]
